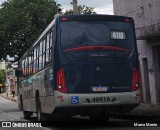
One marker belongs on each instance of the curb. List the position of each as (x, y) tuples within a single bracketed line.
[(9, 98)]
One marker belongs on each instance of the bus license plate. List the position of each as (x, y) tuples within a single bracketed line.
[(101, 99), (100, 89)]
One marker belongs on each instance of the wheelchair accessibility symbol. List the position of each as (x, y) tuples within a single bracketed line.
[(74, 100)]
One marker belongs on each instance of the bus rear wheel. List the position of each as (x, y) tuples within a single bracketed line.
[(20, 103), (27, 114), (40, 115)]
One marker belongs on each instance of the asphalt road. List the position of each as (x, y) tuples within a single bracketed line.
[(9, 112)]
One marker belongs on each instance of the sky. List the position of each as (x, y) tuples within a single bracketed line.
[(100, 6)]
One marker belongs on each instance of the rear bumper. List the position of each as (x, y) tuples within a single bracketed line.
[(91, 110), (108, 100)]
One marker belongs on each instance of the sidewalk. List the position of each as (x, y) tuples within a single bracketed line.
[(150, 112), (147, 109), (144, 111), (10, 97)]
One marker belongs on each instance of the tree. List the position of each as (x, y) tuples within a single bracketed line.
[(2, 76), (22, 21), (83, 9)]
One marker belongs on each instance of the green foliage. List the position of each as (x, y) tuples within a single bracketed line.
[(22, 21), (83, 9), (86, 10), (2, 76)]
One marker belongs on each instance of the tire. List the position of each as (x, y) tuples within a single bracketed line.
[(40, 115), (27, 114), (20, 104)]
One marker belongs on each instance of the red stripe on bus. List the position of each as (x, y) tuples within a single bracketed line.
[(96, 48)]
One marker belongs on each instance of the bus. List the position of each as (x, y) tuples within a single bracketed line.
[(83, 65)]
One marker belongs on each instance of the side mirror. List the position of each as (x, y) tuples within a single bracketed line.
[(18, 73)]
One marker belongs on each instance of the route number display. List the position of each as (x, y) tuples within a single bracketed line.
[(118, 35)]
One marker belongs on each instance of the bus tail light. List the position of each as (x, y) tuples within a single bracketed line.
[(126, 20), (64, 19), (61, 84), (135, 80)]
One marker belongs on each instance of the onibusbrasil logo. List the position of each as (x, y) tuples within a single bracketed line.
[(20, 124)]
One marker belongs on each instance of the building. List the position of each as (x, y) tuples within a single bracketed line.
[(146, 14), (3, 65), (11, 80)]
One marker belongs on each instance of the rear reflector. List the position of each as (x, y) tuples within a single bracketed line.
[(138, 95), (135, 80), (59, 96), (97, 48), (61, 84)]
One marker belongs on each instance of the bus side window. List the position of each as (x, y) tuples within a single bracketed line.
[(37, 59), (44, 45), (47, 50), (25, 67), (51, 39), (34, 57), (40, 55), (22, 66), (52, 43), (32, 61), (40, 62), (29, 62), (43, 55)]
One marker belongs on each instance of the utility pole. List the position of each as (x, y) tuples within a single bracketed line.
[(75, 7)]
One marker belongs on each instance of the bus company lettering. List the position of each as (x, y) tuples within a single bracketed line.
[(120, 87), (98, 55)]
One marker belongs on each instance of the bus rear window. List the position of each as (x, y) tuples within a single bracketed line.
[(96, 33)]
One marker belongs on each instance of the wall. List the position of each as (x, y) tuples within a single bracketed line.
[(145, 13)]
